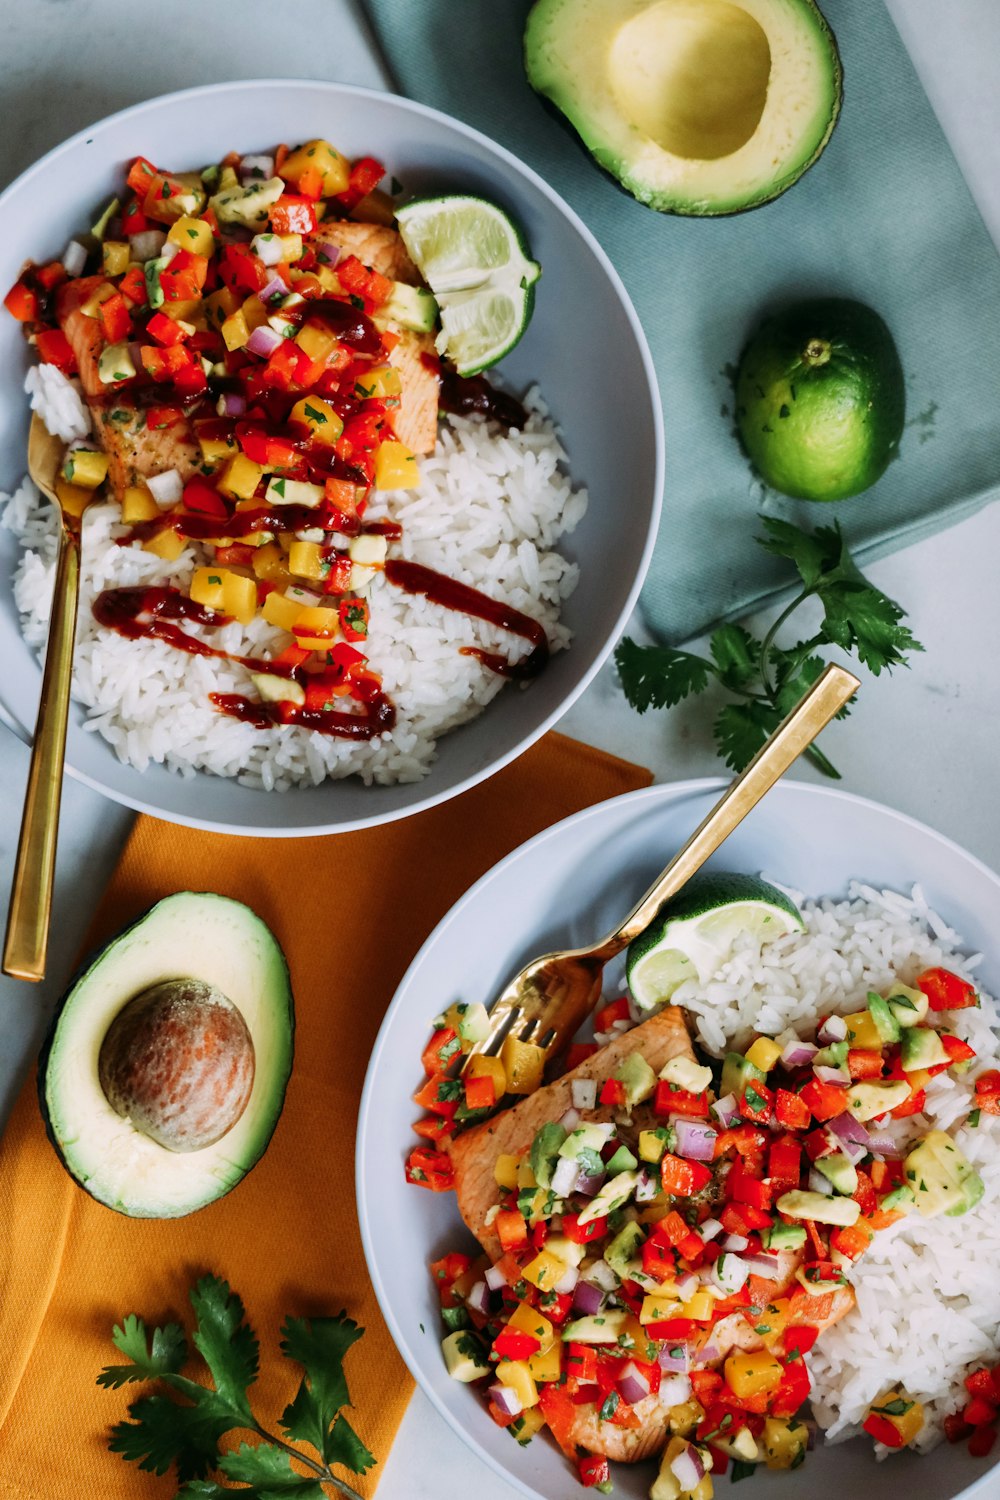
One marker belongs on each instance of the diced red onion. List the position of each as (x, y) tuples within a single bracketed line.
[(166, 488), (588, 1299), (590, 1186), (565, 1175), (725, 1109), (495, 1279), (729, 1273), (709, 1229), (884, 1144), (674, 1357), (810, 1427), (633, 1385), (767, 1266), (707, 1354), (584, 1091), (677, 1390), (687, 1468), (796, 1053), (647, 1187), (601, 1274), (735, 1242), (686, 1286), (147, 244), (694, 1139), (570, 1120), (327, 253), (832, 1075), (567, 1281), (820, 1184), (264, 341), (231, 404), (479, 1297), (260, 168), (74, 258), (134, 355), (507, 1399), (833, 1029), (272, 291)]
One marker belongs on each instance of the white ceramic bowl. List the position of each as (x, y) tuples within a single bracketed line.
[(567, 887), (584, 348)]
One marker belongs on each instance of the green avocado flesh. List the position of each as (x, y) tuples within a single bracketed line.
[(821, 399), (695, 106), (222, 944)]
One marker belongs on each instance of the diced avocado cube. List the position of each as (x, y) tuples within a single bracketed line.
[(154, 291), (822, 1210), (622, 1161), (624, 1248), (885, 1022), (601, 1328), (737, 1072), (832, 1056), (636, 1078), (473, 1023), (839, 1170), (816, 1285), (921, 1047), (687, 1074), (942, 1180), (784, 1237), (115, 364), (908, 1005), (545, 1152), (593, 1137), (412, 307), (865, 1101), (615, 1192), (464, 1356), (742, 1445), (899, 1200), (249, 204)]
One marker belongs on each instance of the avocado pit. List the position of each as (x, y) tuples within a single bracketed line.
[(178, 1062)]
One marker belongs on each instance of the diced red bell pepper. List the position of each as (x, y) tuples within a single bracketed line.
[(746, 1140), (293, 215), (864, 1194), (578, 1053), (163, 329), (134, 221), (501, 1418), (985, 1383), (338, 579), (945, 990), (820, 1247), (23, 302), (790, 1110), (745, 1187), (792, 1389), (432, 1127), (582, 1234), (981, 1441), (799, 1338), (882, 1430), (362, 281), (852, 1241), (978, 1411), (825, 1100), (671, 1229), (911, 1106), (707, 1386), (957, 1050), (449, 1268), (203, 499), (956, 1429), (159, 417), (240, 269), (615, 1010), (744, 1218), (682, 1177), (442, 1049), (678, 1329), (54, 349), (819, 1143), (140, 174), (366, 174), (612, 1093), (658, 1260), (190, 381), (670, 1100), (757, 1102), (784, 1165), (440, 1095), (594, 1470), (115, 319), (580, 1362), (511, 1343), (863, 1063), (432, 1169), (480, 1091), (988, 1082), (133, 286)]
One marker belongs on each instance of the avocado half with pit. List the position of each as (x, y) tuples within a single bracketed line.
[(164, 1073), (695, 106)]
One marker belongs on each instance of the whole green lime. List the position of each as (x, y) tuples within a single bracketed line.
[(820, 399)]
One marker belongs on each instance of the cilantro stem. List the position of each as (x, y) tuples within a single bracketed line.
[(768, 641), (322, 1471)]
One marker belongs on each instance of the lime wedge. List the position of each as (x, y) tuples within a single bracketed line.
[(694, 934), (475, 261)]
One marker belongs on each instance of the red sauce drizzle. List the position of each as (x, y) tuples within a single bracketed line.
[(414, 578), (465, 394)]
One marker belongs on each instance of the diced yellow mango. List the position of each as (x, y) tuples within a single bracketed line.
[(184, 311), (138, 505), (660, 1304), (318, 157), (907, 1423), (699, 1307), (280, 611), (752, 1374), (316, 340), (92, 307), (214, 450), (381, 382), (291, 247), (763, 1054), (482, 1066), (527, 1319), (544, 1271), (305, 560), (528, 1423), (115, 256), (327, 278), (783, 1442), (268, 560), (192, 234), (220, 305), (235, 331), (524, 1064), (240, 477), (396, 467), (208, 588), (862, 1031), (515, 1373), (254, 311), (505, 1171), (684, 1418), (239, 594), (85, 467), (318, 624), (74, 498), (167, 545), (324, 425), (651, 1145), (525, 1174), (546, 1365)]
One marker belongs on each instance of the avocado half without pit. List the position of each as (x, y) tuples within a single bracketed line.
[(160, 1091), (695, 106)]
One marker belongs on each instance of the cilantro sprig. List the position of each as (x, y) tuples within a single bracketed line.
[(184, 1424), (766, 679)]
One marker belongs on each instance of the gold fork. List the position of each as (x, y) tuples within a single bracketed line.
[(548, 999), (31, 895)]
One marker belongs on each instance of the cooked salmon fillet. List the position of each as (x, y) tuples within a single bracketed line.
[(84, 334), (382, 249), (475, 1152)]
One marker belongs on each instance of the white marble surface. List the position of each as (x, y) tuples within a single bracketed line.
[(924, 741)]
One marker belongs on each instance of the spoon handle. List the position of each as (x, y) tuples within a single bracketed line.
[(794, 734), (31, 894)]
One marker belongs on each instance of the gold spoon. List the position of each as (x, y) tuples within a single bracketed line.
[(31, 894), (548, 999)]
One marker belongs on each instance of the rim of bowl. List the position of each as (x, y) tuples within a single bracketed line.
[(665, 792), (89, 136)]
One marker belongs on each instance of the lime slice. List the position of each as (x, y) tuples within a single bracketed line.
[(694, 934), (475, 261)]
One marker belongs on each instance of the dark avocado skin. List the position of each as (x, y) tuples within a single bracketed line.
[(821, 431), (45, 1051)]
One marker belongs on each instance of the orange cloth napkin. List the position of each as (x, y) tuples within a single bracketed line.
[(350, 912)]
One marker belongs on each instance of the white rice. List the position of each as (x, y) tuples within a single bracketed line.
[(928, 1290), (489, 511)]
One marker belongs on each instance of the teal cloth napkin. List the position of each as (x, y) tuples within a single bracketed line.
[(884, 216)]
